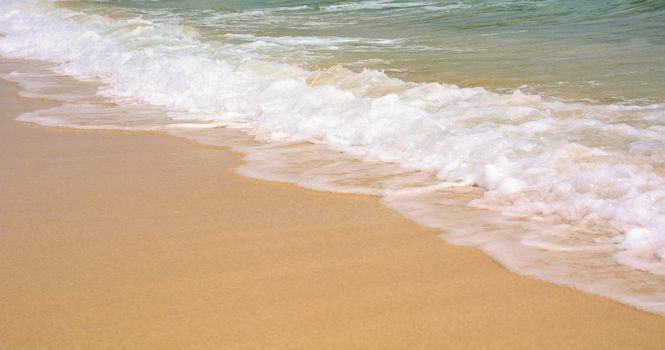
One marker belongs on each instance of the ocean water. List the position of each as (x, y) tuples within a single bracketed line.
[(530, 129)]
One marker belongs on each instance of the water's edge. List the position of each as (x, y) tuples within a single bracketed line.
[(254, 166), (567, 191)]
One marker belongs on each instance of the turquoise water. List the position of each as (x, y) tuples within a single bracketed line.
[(585, 49)]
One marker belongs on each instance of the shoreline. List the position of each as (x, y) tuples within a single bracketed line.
[(144, 241)]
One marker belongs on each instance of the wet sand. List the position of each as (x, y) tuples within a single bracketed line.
[(137, 241)]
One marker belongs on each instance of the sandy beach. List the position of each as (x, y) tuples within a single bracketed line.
[(115, 240)]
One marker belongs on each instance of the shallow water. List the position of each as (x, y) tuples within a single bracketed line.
[(594, 49), (563, 177)]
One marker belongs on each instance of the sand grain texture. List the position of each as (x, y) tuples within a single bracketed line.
[(138, 241)]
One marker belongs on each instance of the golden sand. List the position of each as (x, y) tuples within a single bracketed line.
[(139, 241)]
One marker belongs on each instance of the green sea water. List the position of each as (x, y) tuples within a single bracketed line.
[(608, 51)]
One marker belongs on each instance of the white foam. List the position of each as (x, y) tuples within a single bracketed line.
[(371, 5), (315, 41), (576, 183)]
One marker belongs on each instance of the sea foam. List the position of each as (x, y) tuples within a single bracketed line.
[(565, 191)]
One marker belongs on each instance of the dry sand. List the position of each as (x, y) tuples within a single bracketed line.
[(139, 241)]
